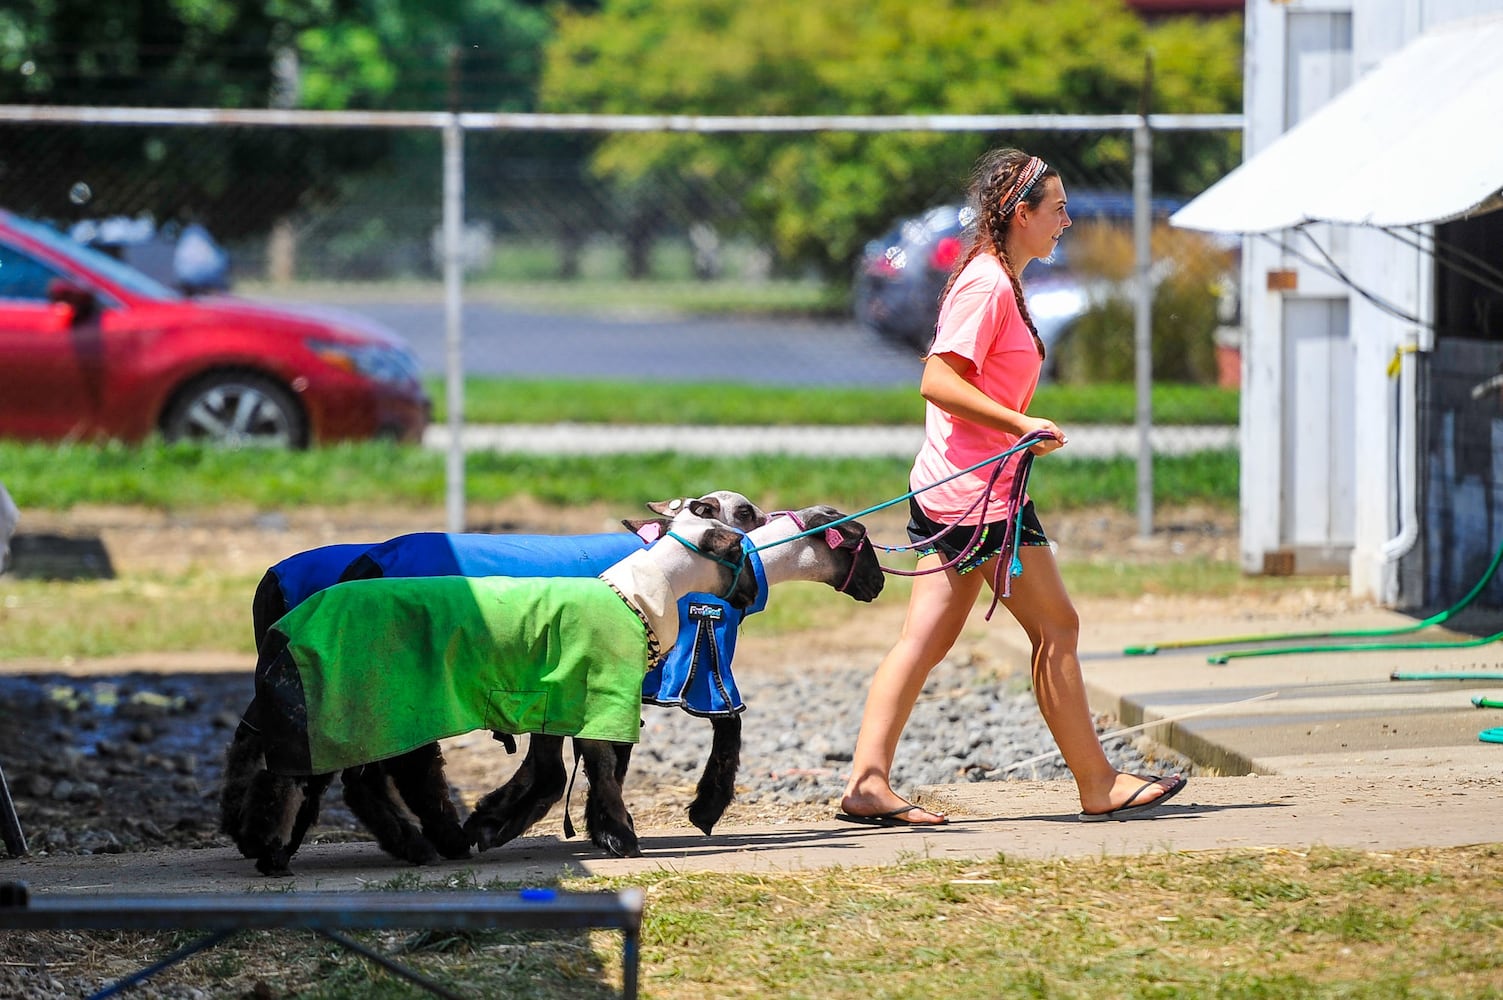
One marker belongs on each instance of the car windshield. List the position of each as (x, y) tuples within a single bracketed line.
[(94, 260)]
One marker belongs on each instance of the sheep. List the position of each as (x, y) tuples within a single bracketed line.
[(841, 557), (376, 792), (313, 693), (381, 793)]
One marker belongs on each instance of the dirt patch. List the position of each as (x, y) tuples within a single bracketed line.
[(245, 540), (242, 540)]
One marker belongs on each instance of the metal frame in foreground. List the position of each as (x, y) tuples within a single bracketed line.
[(328, 914)]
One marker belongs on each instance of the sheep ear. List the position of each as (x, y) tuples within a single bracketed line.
[(751, 514), (703, 508), (666, 507), (650, 529), (846, 535)]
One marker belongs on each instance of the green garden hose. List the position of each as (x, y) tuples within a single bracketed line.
[(1434, 619), (1352, 647), (1487, 703), (1463, 675)]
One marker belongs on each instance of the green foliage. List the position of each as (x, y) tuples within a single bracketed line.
[(182, 477), (324, 54), (707, 404), (1190, 270), (1101, 347), (711, 404), (410, 54), (815, 199), (1061, 483), (343, 66)]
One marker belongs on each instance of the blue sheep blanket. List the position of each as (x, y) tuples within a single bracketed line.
[(438, 553), (306, 573)]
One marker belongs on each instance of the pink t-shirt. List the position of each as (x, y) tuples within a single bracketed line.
[(980, 322)]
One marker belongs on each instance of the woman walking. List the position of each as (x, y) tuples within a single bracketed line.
[(979, 377)]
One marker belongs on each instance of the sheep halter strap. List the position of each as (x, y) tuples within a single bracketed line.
[(835, 540), (735, 567)]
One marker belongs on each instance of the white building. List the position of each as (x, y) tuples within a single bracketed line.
[(1372, 293)]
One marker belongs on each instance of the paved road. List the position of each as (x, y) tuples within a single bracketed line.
[(503, 340)]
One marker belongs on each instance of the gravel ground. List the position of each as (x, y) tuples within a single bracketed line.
[(133, 762), (130, 761)]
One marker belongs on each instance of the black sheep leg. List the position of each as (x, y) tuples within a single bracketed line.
[(372, 798), (307, 813), (243, 759), (420, 781), (508, 811), (278, 811), (717, 785), (607, 820)]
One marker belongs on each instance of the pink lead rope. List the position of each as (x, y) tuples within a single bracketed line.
[(1007, 554)]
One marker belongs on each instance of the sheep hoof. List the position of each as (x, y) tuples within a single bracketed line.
[(704, 818), (273, 866), (483, 836), (417, 851), (451, 839), (625, 846)]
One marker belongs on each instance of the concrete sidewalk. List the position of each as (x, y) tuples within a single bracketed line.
[(1086, 441), (1016, 819), (1314, 715), (1344, 757)]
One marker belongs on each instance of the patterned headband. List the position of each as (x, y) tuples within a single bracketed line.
[(1027, 178)]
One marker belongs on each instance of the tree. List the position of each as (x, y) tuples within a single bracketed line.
[(326, 54), (815, 199)]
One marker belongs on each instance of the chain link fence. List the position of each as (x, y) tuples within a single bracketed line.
[(303, 212), (589, 244)]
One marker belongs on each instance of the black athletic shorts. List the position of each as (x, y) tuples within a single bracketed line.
[(958, 540)]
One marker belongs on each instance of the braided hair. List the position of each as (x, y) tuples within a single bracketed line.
[(994, 198)]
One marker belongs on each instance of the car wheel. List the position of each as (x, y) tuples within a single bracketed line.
[(237, 410)]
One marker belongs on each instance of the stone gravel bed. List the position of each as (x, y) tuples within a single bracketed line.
[(132, 762)]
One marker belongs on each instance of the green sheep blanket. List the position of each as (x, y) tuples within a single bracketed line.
[(373, 668)]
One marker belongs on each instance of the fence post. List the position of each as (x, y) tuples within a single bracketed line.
[(1142, 223), (454, 492)]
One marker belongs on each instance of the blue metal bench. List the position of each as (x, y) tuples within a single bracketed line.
[(328, 914)]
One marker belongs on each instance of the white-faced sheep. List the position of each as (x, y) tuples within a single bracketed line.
[(383, 794), (838, 556), (560, 656)]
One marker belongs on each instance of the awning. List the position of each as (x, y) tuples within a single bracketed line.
[(1413, 141)]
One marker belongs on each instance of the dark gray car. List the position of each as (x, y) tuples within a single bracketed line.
[(902, 272)]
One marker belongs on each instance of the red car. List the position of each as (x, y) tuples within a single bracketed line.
[(93, 349)]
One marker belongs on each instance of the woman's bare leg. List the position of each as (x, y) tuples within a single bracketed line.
[(1042, 606), (937, 611)]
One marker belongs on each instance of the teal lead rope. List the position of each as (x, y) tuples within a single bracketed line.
[(1000, 587)]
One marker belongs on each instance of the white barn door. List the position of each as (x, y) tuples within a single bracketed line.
[(1318, 435)]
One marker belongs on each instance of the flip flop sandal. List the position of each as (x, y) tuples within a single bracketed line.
[(1128, 810), (893, 818)]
